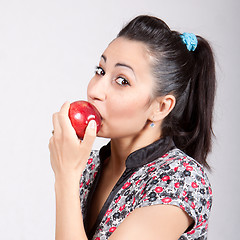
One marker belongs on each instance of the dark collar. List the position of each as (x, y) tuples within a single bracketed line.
[(143, 155)]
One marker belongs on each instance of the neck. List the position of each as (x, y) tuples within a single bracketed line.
[(121, 148)]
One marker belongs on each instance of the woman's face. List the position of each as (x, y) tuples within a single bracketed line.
[(121, 88)]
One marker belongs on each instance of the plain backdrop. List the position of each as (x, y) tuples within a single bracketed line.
[(48, 53)]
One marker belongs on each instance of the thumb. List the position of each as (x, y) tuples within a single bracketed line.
[(90, 134)]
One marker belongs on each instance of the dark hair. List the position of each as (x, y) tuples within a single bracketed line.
[(188, 75)]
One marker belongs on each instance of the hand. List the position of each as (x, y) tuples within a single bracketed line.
[(68, 153)]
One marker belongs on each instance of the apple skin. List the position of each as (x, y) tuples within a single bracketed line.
[(80, 114)]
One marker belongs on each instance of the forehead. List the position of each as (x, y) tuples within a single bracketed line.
[(129, 52)]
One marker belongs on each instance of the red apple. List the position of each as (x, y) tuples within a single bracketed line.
[(80, 114)]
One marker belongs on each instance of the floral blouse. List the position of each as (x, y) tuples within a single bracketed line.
[(159, 173)]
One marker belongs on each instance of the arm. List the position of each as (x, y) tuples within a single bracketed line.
[(69, 222), (163, 222), (68, 158)]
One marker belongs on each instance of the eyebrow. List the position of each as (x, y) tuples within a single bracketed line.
[(118, 64)]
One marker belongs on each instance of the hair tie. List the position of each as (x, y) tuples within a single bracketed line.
[(190, 40)]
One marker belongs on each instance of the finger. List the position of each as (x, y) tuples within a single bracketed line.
[(64, 120), (90, 135), (52, 151), (50, 146), (56, 125), (65, 108)]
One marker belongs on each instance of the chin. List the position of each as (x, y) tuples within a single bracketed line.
[(103, 134), (115, 132)]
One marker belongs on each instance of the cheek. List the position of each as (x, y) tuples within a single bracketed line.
[(125, 118), (128, 110)]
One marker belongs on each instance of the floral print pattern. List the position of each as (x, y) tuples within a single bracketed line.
[(174, 178)]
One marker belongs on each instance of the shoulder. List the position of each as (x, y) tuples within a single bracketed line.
[(177, 166), (179, 180), (171, 192)]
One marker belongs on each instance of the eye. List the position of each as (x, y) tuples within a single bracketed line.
[(122, 81), (99, 71)]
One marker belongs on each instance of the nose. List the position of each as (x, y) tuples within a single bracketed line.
[(97, 89)]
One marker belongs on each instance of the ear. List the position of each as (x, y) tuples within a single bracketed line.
[(162, 107)]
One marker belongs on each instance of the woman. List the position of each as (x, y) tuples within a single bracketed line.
[(154, 89)]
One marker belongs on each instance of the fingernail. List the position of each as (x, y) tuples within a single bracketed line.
[(92, 124)]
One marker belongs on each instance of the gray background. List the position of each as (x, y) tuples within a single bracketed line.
[(48, 53)]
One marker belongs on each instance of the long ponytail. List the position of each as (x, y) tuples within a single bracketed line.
[(194, 131), (188, 75)]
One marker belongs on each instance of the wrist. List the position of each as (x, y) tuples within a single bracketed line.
[(68, 182), (68, 175)]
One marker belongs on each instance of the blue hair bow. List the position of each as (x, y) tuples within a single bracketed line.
[(190, 40)]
